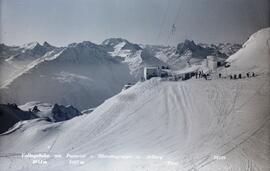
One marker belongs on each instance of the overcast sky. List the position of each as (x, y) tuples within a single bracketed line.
[(61, 22)]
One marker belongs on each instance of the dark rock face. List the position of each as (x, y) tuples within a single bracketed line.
[(48, 46), (11, 114), (187, 45), (198, 51), (62, 113), (35, 109)]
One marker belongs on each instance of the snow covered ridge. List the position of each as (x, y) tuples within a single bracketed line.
[(255, 54), (120, 44), (30, 51)]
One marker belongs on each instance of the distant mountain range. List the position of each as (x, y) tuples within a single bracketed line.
[(85, 74)]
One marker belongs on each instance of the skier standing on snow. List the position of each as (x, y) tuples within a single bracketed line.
[(205, 76)]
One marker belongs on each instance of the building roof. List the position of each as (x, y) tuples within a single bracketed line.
[(150, 67), (193, 68)]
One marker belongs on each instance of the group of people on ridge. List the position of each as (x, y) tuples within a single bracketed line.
[(239, 76), (201, 74)]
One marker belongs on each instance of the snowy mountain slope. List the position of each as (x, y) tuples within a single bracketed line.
[(6, 71), (7, 51), (8, 77), (82, 75), (191, 123), (29, 52), (53, 112), (14, 59), (255, 54)]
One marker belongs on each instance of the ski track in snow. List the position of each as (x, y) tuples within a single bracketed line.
[(177, 97)]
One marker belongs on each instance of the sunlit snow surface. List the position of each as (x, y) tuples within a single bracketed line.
[(255, 54), (188, 123)]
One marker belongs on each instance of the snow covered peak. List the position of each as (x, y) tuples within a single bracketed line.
[(135, 56), (47, 45), (117, 44), (85, 52), (119, 51), (21, 56), (84, 44), (255, 54), (36, 47), (31, 45), (113, 41)]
